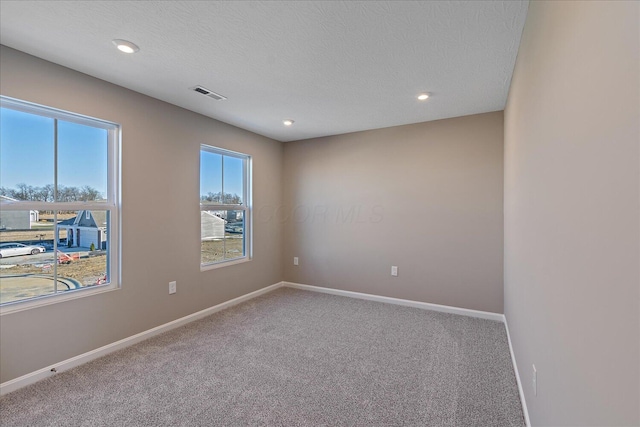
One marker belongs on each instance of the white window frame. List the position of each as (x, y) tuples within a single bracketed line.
[(112, 204), (246, 207)]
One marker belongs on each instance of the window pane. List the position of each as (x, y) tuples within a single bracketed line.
[(48, 251), (234, 235), (82, 162), (233, 180), (222, 235), (210, 177), (212, 230), (28, 260), (223, 181), (26, 156), (83, 255), (27, 263)]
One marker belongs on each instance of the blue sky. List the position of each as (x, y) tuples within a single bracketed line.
[(211, 177), (27, 152), (27, 156)]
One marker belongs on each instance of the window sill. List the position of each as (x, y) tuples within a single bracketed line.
[(205, 267), (14, 307)]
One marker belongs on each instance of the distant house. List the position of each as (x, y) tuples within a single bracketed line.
[(234, 216), (212, 227), (84, 229), (230, 216), (16, 220)]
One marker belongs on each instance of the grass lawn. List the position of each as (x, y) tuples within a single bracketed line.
[(221, 249)]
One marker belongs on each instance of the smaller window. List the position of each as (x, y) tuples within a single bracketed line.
[(225, 208)]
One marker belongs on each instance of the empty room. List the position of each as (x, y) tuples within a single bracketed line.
[(320, 213)]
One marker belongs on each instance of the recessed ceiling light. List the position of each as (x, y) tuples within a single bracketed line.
[(423, 96), (287, 122), (126, 46)]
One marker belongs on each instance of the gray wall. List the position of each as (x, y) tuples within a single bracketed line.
[(12, 220), (425, 197), (160, 218), (572, 210)]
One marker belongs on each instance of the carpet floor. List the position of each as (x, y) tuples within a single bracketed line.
[(291, 358)]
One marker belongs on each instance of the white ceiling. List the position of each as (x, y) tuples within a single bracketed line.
[(333, 67)]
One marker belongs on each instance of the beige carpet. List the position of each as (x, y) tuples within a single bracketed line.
[(291, 358)]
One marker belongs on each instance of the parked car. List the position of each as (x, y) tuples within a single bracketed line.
[(233, 228), (15, 249)]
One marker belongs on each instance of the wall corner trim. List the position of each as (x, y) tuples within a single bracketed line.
[(525, 411), (407, 303), (65, 365)]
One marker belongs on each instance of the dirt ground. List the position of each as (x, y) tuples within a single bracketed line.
[(83, 270), (32, 236), (214, 250), (61, 216), (87, 271)]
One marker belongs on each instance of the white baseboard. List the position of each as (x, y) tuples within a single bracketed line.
[(65, 365), (408, 303), (518, 380)]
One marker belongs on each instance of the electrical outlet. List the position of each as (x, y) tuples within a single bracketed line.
[(172, 287), (535, 381), (295, 260), (394, 270)]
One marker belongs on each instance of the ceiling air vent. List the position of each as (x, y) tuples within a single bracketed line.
[(206, 92)]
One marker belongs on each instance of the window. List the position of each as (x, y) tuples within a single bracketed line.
[(59, 202), (225, 207)]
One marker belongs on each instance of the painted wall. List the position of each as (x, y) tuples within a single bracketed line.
[(425, 197), (572, 233), (160, 218), (11, 220)]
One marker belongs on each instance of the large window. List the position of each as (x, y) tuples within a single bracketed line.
[(225, 207), (58, 204)]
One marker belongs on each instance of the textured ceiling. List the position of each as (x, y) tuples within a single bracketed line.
[(333, 67)]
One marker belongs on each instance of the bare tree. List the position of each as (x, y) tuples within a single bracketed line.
[(46, 193), (21, 192), (227, 199), (88, 193)]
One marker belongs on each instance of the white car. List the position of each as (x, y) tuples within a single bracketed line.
[(15, 249)]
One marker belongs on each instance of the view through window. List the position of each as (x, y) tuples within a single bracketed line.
[(224, 206), (58, 202)]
